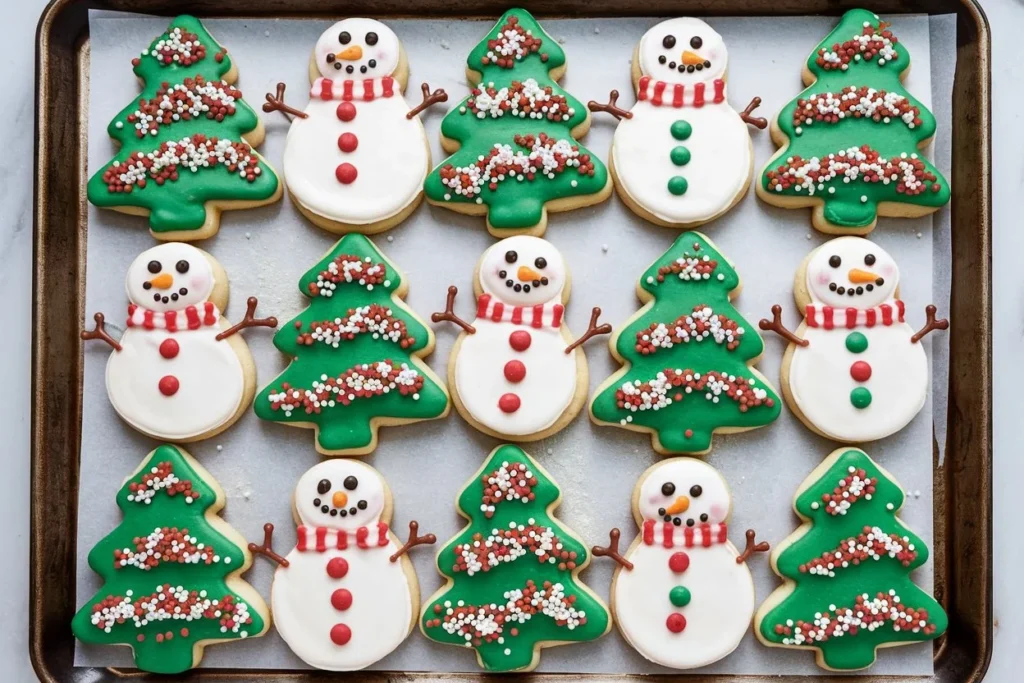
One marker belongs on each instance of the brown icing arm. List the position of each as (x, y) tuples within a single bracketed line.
[(931, 325), (100, 332), (752, 548), (775, 325), (276, 103), (248, 321), (612, 550), (756, 121), (449, 313), (266, 550), (610, 108), (593, 329), (429, 100), (414, 540)]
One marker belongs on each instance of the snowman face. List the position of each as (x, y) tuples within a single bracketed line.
[(523, 271), (340, 494), (683, 50), (851, 272), (169, 277), (686, 492), (357, 48)]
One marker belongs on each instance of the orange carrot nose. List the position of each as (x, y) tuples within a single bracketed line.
[(860, 277), (351, 53), (162, 281), (339, 499), (692, 58), (527, 274), (680, 504)]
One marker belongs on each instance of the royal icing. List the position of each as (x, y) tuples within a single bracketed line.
[(357, 351), (183, 141), (512, 571), (847, 569), (687, 356), (170, 570), (850, 141), (516, 135)]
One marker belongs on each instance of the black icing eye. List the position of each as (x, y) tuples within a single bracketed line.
[(371, 38), (669, 42), (154, 267), (541, 262), (511, 257), (344, 38), (361, 505), (181, 266), (668, 488), (696, 490), (835, 261), (372, 63), (351, 483), (869, 260), (323, 487), (696, 42)]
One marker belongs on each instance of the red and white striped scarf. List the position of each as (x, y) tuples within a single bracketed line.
[(321, 538), (828, 317), (190, 318), (366, 90), (676, 95), (672, 536), (489, 308)]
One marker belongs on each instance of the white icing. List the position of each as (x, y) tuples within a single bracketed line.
[(527, 249), (369, 488), (385, 53), (198, 278), (683, 29), (683, 474), (854, 254)]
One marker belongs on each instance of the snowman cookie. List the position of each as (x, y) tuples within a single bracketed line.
[(356, 157), (516, 373), (346, 595), (682, 155), (179, 372), (682, 595), (854, 370)]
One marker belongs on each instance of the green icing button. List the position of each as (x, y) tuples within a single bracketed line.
[(677, 185), (860, 397), (681, 130), (680, 156), (680, 596), (857, 343)]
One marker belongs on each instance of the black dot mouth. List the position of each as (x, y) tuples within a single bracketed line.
[(525, 286), (343, 512), (855, 291)]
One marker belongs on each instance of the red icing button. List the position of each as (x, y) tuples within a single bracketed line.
[(169, 348), (860, 371), (515, 371), (346, 173), (520, 340), (509, 403), (168, 385), (341, 599), (341, 634), (679, 562), (337, 568), (346, 111), (676, 622), (347, 142)]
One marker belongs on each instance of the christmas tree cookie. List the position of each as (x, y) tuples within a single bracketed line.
[(513, 141), (171, 570), (512, 573), (187, 145), (688, 356), (850, 142), (357, 354), (847, 588)]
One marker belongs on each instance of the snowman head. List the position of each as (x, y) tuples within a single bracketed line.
[(170, 277), (357, 48), (851, 272), (684, 491), (683, 50), (523, 271), (340, 494)]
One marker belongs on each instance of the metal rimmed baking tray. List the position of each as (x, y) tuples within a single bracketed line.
[(962, 541)]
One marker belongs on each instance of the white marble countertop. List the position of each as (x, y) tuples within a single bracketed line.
[(16, 122)]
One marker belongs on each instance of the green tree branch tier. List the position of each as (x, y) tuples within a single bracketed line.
[(187, 144), (513, 141), (847, 569), (851, 143), (171, 570), (356, 354), (687, 356), (512, 573)]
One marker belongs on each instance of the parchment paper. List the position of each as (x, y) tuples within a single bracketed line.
[(265, 251)]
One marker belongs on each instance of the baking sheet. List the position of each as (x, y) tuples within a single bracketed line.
[(265, 251)]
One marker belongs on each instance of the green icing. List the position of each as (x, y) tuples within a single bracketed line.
[(680, 155), (687, 424), (174, 654), (856, 342), (484, 588), (515, 203), (860, 398), (180, 204), (855, 204), (352, 428), (807, 594), (677, 185), (679, 596), (681, 130)]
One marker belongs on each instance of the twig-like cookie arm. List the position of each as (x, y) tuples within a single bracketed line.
[(593, 329), (276, 103), (100, 332), (752, 548), (929, 326), (610, 108), (266, 550), (756, 121), (414, 540), (249, 320), (449, 313), (429, 100), (775, 325), (612, 550)]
